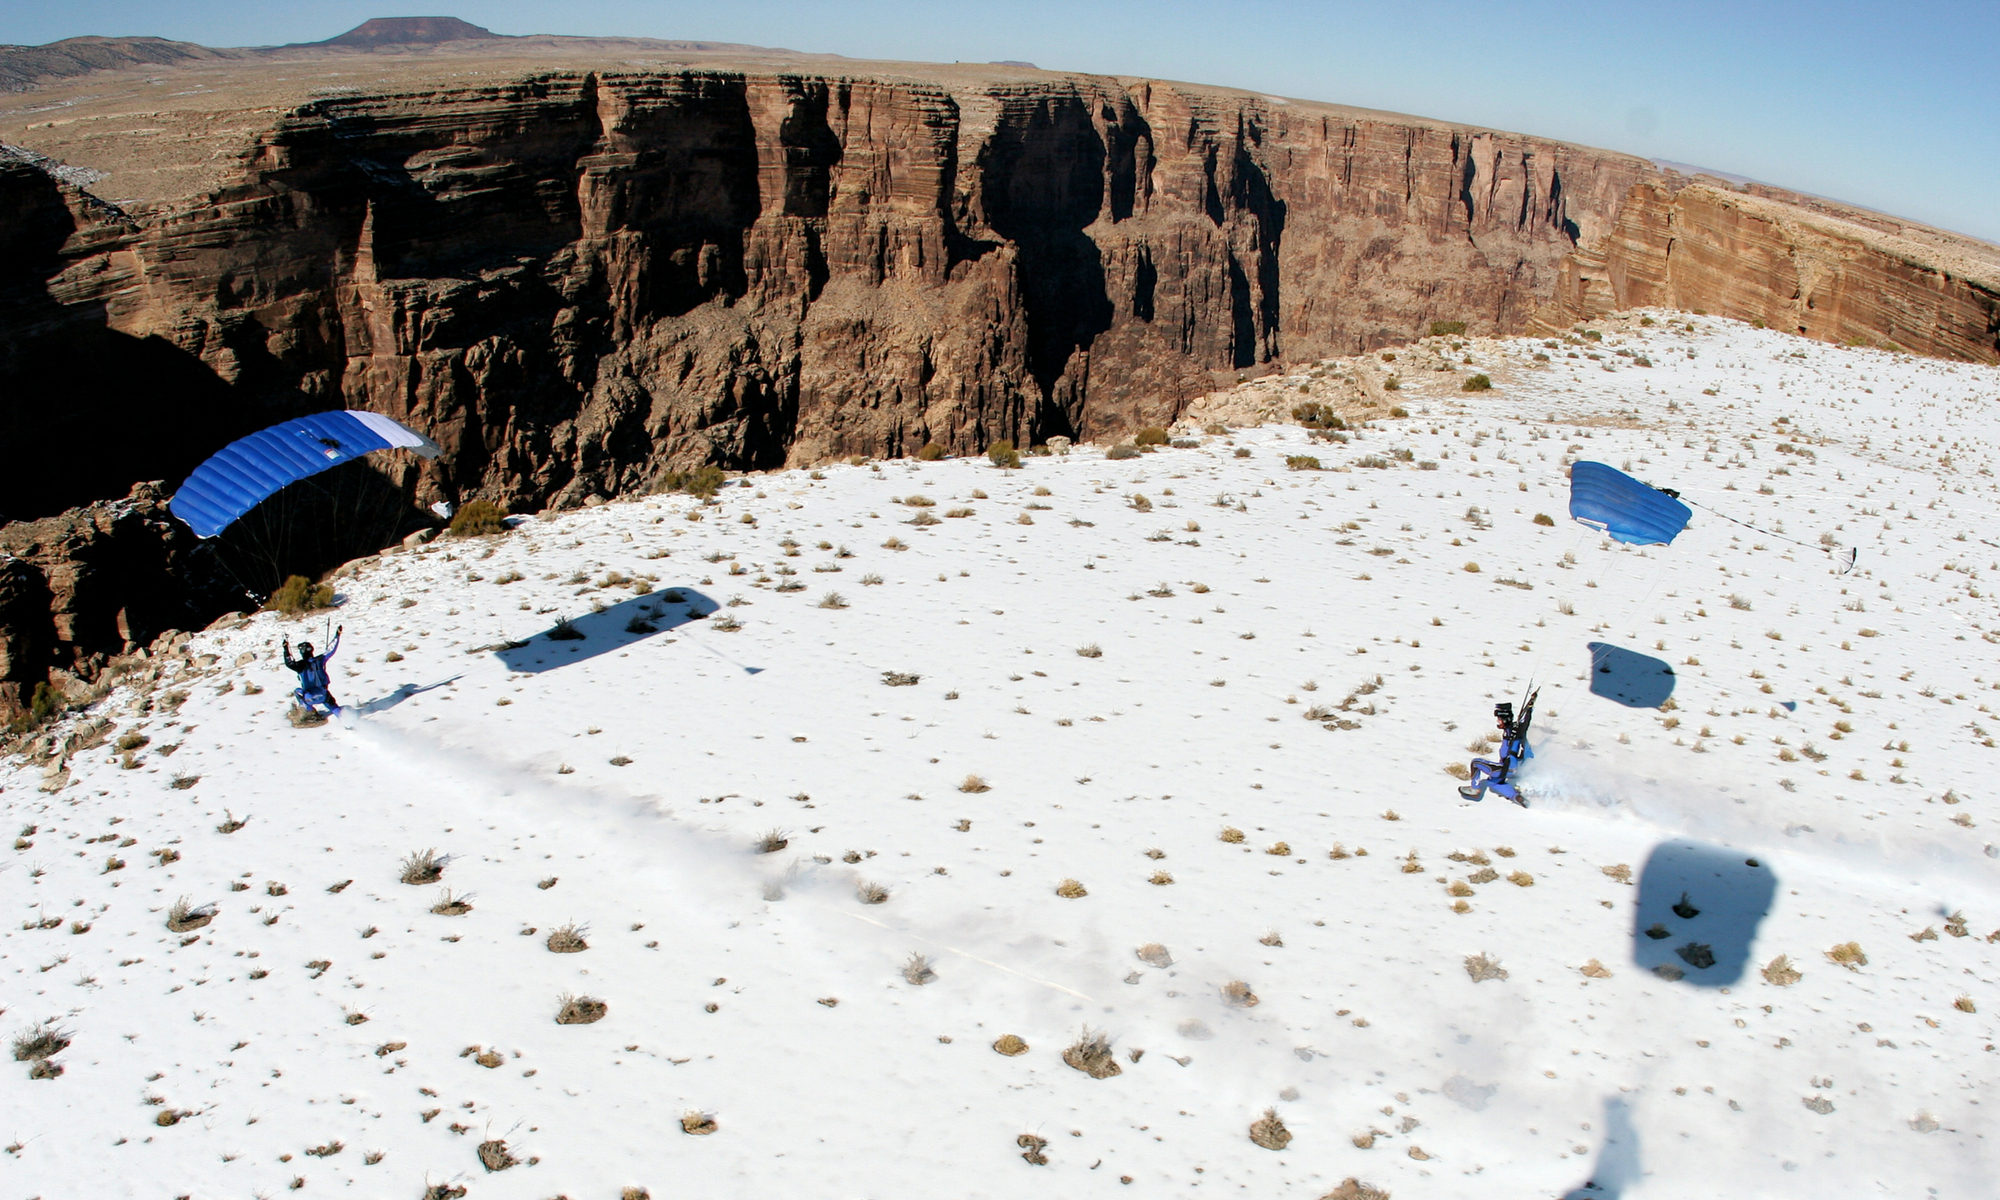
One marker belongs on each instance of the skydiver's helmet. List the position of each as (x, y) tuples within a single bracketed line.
[(1503, 712), (305, 649)]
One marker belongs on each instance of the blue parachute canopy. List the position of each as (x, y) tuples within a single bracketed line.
[(242, 474), (1606, 498)]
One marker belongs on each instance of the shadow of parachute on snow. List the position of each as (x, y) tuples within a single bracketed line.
[(1698, 912), (578, 639), (1629, 678)]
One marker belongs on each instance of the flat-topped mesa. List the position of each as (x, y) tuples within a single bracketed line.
[(408, 31)]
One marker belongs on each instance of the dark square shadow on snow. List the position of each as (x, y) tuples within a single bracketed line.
[(1629, 678), (600, 632), (1728, 897)]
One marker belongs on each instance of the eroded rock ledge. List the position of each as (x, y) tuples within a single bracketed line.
[(577, 280)]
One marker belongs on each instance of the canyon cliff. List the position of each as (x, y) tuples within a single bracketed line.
[(575, 279)]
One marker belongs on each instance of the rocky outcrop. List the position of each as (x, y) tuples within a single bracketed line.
[(1755, 257), (576, 280), (93, 582)]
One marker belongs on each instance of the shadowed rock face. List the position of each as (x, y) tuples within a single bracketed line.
[(575, 280)]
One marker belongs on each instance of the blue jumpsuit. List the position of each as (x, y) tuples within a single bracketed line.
[(313, 693)]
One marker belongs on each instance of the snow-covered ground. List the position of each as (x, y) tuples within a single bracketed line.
[(1221, 696)]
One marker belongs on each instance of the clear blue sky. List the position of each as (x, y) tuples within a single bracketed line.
[(1895, 106)]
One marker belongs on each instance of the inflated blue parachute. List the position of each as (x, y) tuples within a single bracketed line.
[(242, 474), (1606, 498)]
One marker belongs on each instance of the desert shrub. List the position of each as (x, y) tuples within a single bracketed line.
[(185, 918), (1002, 454), (294, 596), (1301, 462), (1476, 383), (1122, 451), (1780, 972), (42, 707), (1447, 328), (703, 481), (1091, 1054), (931, 452), (1269, 1132), (1151, 435), (580, 1010), (1238, 993), (567, 939), (1316, 415), (493, 1155), (476, 517), (1544, 519), (40, 1042), (422, 867)]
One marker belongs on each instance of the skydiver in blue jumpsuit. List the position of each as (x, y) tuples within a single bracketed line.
[(1490, 775), (313, 693)]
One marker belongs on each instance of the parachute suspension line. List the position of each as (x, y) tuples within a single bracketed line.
[(1542, 653), (1842, 556)]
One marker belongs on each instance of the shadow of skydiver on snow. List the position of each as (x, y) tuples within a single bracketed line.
[(385, 703), (1698, 911), (1617, 1157), (1629, 678), (574, 640)]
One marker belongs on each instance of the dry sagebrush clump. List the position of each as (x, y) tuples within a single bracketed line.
[(494, 1155), (580, 1010), (183, 918), (422, 867), (1091, 1054), (1779, 972), (1270, 1132), (40, 1042), (567, 939)]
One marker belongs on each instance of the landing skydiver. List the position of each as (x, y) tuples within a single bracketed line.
[(313, 693), (1495, 775)]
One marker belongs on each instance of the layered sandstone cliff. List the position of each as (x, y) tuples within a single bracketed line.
[(1833, 275), (577, 279)]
